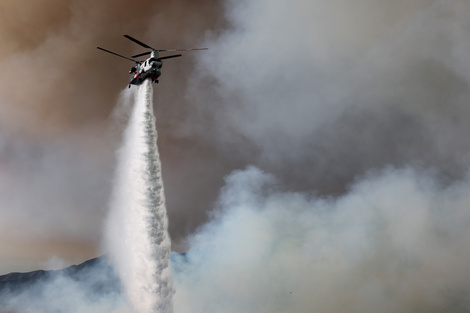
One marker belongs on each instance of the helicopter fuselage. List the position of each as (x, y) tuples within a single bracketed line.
[(150, 68)]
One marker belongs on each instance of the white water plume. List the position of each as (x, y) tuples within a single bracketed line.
[(137, 230)]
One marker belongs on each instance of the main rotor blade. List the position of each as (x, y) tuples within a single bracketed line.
[(184, 49), (118, 55), (169, 57), (141, 54), (138, 42)]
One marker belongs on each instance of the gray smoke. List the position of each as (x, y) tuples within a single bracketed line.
[(396, 242), (355, 116), (320, 92)]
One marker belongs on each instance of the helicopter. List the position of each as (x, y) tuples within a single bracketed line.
[(149, 68)]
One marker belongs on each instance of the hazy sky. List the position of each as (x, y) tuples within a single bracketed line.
[(320, 95)]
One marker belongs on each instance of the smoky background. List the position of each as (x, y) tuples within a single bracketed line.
[(322, 96)]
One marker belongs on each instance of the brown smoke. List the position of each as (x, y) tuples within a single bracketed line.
[(57, 93), (51, 66)]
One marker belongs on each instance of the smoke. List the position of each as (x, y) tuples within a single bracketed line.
[(321, 92), (354, 116), (93, 288), (396, 242), (136, 235), (57, 96), (51, 48), (44, 212)]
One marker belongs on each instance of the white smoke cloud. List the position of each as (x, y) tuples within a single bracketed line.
[(397, 242), (95, 289)]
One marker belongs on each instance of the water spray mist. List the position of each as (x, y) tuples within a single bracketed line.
[(137, 230)]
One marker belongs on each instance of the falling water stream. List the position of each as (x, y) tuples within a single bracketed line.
[(137, 229)]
